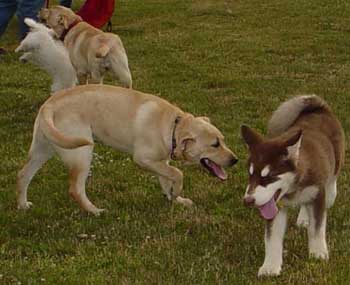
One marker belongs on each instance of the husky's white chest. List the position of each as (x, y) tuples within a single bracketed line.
[(302, 196)]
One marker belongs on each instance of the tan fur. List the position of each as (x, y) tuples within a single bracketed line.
[(102, 50), (91, 50), (51, 132), (133, 122)]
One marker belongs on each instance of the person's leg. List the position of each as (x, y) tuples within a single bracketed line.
[(66, 3), (7, 9), (27, 9)]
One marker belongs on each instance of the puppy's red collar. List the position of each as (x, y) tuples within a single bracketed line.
[(66, 31)]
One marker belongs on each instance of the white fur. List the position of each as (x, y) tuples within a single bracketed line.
[(303, 196), (303, 217), (274, 246), (293, 150), (263, 194), (265, 171), (251, 169), (331, 192), (317, 238), (41, 49)]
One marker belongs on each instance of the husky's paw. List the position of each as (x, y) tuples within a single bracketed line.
[(318, 249), (302, 222), (319, 254), (303, 218), (24, 205), (269, 270), (184, 201)]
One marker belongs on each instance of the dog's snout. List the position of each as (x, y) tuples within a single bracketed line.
[(233, 161), (249, 201)]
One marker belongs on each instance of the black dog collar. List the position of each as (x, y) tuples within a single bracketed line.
[(173, 139)]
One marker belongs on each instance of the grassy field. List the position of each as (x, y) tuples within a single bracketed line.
[(234, 61)]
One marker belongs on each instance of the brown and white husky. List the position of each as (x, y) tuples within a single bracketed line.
[(296, 165)]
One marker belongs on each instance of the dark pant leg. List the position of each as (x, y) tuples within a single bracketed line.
[(27, 9), (7, 10)]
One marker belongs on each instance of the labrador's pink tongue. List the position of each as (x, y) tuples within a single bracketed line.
[(219, 172), (269, 210)]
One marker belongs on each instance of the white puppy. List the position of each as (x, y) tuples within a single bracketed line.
[(42, 49)]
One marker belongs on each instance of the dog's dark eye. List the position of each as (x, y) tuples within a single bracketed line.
[(217, 144)]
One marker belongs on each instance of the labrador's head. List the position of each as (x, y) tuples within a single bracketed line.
[(58, 18), (199, 142)]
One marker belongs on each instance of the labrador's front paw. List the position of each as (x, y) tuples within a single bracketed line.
[(24, 205), (184, 201)]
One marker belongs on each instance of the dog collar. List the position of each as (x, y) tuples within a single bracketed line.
[(66, 31), (173, 139)]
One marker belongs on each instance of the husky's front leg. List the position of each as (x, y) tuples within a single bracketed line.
[(274, 233)]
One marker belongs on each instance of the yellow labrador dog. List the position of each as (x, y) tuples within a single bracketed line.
[(91, 51), (149, 128)]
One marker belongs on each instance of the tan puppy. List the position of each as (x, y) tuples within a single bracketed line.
[(91, 51), (146, 126)]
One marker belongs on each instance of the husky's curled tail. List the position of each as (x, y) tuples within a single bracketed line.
[(289, 111)]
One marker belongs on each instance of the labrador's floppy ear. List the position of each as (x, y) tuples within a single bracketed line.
[(184, 140), (63, 20), (250, 136), (184, 136)]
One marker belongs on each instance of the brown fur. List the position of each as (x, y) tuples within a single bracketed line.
[(306, 143)]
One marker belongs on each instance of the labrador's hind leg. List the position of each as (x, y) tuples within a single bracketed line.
[(78, 161), (40, 152)]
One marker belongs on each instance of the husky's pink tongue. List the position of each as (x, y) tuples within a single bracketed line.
[(269, 210)]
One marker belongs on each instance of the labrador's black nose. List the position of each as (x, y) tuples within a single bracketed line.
[(233, 161)]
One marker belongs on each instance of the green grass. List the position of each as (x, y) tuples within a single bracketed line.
[(234, 61)]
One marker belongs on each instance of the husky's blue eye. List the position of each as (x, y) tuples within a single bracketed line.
[(217, 144)]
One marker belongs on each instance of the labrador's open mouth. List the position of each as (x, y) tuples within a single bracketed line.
[(269, 210), (213, 168)]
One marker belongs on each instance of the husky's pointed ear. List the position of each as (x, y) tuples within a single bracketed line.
[(250, 136), (63, 21), (293, 145), (205, 119)]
